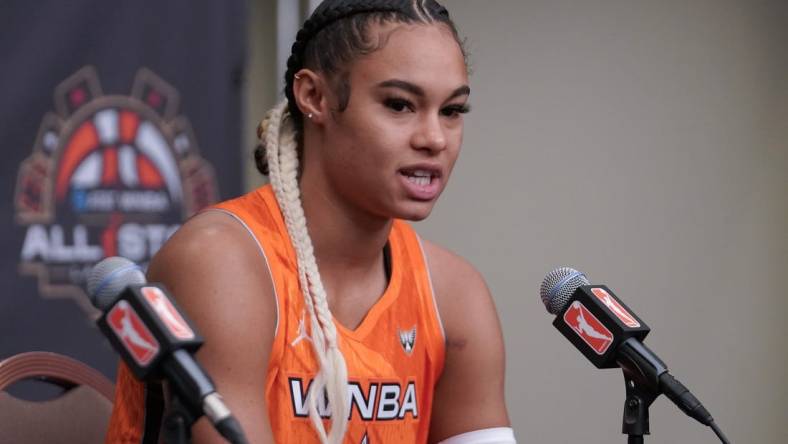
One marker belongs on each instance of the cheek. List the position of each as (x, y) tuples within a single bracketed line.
[(368, 158), (455, 146), (380, 147)]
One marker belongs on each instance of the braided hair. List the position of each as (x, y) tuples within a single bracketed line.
[(334, 35)]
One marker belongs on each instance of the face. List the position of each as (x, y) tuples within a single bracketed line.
[(391, 151)]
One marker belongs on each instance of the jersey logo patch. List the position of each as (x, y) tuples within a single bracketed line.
[(407, 338), (301, 331)]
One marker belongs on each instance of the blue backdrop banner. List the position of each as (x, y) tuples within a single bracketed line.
[(118, 120)]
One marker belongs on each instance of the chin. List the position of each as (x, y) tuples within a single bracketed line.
[(415, 211)]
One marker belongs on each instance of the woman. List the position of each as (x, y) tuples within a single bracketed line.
[(313, 292)]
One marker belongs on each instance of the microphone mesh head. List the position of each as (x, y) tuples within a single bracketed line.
[(558, 286), (110, 277)]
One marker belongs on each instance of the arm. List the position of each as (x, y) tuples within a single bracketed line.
[(217, 274), (470, 393)]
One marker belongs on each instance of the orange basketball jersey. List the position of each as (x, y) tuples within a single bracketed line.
[(394, 357)]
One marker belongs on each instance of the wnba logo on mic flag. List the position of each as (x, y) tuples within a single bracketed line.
[(588, 327), (132, 333), (176, 325), (109, 175), (615, 307)]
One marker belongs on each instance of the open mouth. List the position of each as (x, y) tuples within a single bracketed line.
[(419, 177), (422, 183)]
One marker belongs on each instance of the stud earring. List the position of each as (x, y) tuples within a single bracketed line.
[(309, 116), (297, 76)]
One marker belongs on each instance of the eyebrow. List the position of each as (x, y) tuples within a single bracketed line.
[(416, 90)]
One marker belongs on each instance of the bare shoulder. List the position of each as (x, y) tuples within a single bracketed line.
[(210, 258), (474, 349), (211, 236), (460, 289), (218, 275)]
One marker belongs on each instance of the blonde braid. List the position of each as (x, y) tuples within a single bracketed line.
[(279, 137)]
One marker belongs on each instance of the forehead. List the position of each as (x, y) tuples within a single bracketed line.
[(426, 55)]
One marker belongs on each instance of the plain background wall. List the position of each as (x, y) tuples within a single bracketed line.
[(646, 144)]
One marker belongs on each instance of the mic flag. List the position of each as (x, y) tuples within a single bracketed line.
[(145, 325), (597, 322)]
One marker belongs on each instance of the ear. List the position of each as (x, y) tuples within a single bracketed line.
[(310, 92)]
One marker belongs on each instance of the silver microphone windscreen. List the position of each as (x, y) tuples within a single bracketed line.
[(110, 277), (558, 286)]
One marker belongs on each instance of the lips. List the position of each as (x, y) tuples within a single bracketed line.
[(422, 182)]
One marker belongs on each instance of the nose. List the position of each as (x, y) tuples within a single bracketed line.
[(430, 135)]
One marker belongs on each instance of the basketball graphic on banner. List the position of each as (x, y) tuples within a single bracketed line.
[(109, 175)]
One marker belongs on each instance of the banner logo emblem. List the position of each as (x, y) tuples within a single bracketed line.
[(109, 175)]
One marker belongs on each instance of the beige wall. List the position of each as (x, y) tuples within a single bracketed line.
[(646, 144), (261, 79)]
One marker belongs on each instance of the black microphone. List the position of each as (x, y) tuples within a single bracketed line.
[(155, 339), (607, 332)]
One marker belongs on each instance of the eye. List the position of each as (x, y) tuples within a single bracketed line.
[(398, 105), (454, 111)]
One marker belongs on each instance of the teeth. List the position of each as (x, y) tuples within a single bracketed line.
[(421, 178), (421, 181)]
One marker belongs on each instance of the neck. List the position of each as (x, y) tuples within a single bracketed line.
[(348, 248), (348, 240), (344, 238)]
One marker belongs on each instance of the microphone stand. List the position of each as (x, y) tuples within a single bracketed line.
[(178, 421), (639, 397), (177, 427)]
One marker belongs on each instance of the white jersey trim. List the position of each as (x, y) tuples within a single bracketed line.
[(432, 289), (265, 258)]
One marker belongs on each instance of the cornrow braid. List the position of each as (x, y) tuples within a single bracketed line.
[(329, 12), (336, 33), (340, 26), (325, 14)]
